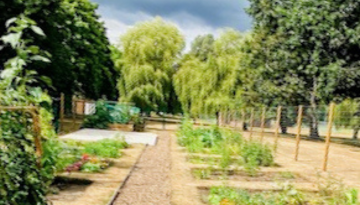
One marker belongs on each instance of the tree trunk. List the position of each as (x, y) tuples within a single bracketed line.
[(217, 119), (314, 124), (356, 131), (283, 121)]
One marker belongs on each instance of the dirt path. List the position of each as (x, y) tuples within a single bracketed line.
[(150, 183), (343, 160)]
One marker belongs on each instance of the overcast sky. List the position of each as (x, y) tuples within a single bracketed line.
[(194, 17)]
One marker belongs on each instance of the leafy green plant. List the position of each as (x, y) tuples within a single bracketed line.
[(21, 180), (257, 154), (90, 167), (139, 123), (107, 148), (100, 119)]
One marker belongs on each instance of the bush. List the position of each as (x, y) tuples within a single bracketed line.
[(255, 152), (100, 120)]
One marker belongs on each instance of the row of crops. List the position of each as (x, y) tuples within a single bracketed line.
[(248, 173)]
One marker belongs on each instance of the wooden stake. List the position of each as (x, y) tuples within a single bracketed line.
[(73, 105), (62, 110), (251, 122), (277, 127), (263, 124), (328, 135), (298, 134), (37, 133)]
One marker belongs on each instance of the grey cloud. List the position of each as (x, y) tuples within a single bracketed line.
[(215, 13)]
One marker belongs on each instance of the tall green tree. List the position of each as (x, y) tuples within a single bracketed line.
[(203, 46), (212, 85), (309, 50), (150, 53), (80, 55)]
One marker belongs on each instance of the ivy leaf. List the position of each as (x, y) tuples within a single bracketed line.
[(40, 58), (37, 30), (12, 38)]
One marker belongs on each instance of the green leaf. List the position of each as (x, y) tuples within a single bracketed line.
[(40, 58), (12, 38), (38, 30), (34, 49), (10, 21)]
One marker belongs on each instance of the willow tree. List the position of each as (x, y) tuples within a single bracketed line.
[(150, 51), (210, 86)]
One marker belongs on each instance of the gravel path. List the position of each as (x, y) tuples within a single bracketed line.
[(150, 184)]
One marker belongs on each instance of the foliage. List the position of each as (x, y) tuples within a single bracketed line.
[(202, 47), (139, 123), (108, 148), (227, 144), (80, 57), (288, 196), (100, 119), (347, 114), (149, 53), (21, 182), (212, 84), (306, 51)]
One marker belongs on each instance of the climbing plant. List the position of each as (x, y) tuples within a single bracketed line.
[(21, 180)]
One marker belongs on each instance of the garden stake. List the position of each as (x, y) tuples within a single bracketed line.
[(262, 124), (251, 123), (328, 135), (298, 134), (243, 120), (73, 103), (277, 127)]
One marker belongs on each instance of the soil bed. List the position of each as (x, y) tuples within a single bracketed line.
[(239, 175)]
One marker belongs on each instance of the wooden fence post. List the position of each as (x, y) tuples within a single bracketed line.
[(278, 117), (263, 123), (62, 110), (298, 134), (73, 109), (251, 122), (328, 134)]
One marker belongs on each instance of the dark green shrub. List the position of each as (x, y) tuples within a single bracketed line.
[(101, 119)]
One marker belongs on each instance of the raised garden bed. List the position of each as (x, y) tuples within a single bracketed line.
[(100, 186)]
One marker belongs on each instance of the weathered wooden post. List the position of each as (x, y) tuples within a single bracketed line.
[(62, 110), (328, 135), (298, 133), (263, 115), (73, 109), (278, 117), (251, 122)]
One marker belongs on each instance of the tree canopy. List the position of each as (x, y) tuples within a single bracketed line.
[(76, 45), (150, 51), (309, 50)]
